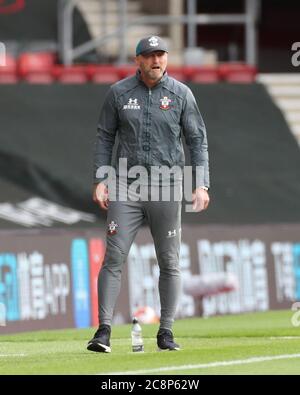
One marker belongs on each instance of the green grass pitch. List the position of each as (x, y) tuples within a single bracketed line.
[(256, 343)]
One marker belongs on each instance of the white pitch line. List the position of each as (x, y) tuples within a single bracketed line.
[(11, 355), (209, 365), (284, 338)]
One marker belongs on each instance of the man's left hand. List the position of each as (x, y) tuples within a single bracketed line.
[(200, 199)]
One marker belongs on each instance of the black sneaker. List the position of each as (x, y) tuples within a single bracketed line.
[(100, 342), (165, 341)]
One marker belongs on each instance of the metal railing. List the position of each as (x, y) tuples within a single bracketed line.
[(68, 53)]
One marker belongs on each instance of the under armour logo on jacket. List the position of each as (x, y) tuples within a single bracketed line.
[(132, 105)]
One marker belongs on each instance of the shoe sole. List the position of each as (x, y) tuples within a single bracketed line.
[(98, 347), (168, 349)]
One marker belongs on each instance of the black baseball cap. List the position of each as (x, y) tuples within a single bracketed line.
[(150, 44)]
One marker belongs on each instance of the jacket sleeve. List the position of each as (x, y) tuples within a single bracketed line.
[(106, 134), (196, 139)]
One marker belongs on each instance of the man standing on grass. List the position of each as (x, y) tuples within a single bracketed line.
[(143, 117)]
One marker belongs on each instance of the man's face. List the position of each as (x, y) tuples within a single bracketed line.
[(152, 65)]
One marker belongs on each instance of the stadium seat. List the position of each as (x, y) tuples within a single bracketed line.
[(70, 74), (102, 74), (8, 73), (36, 67), (176, 72), (39, 78), (126, 71), (202, 74), (237, 72)]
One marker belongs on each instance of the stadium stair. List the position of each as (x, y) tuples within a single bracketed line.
[(91, 11), (285, 90)]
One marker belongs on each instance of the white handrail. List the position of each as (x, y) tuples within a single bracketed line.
[(69, 53)]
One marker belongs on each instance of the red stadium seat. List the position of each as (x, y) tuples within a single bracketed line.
[(39, 78), (237, 72), (176, 72), (8, 73), (126, 71), (202, 74), (36, 67), (103, 74), (70, 74)]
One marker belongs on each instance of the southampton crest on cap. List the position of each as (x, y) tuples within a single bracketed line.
[(153, 41), (165, 101)]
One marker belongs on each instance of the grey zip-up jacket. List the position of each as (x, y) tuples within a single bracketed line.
[(147, 125)]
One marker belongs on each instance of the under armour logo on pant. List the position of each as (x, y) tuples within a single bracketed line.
[(171, 233)]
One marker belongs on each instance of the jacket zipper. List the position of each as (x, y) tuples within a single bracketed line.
[(148, 124)]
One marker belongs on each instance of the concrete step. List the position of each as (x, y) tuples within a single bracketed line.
[(135, 31), (111, 18), (132, 37), (296, 130), (288, 104), (279, 78), (92, 12), (293, 116), (110, 6), (295, 125), (112, 48), (284, 90)]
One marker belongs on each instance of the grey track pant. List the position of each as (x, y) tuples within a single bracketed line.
[(164, 219)]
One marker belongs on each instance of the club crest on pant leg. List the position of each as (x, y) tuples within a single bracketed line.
[(112, 228), (171, 233)]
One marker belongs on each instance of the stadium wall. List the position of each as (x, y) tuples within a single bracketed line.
[(48, 279)]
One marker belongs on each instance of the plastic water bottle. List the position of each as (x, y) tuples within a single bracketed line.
[(136, 336)]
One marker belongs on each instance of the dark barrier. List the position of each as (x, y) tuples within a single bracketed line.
[(34, 20), (48, 279), (47, 136)]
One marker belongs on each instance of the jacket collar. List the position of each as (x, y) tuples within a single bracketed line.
[(160, 83)]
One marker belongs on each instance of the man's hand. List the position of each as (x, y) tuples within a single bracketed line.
[(100, 195), (200, 199)]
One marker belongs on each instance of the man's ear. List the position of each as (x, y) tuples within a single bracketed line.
[(136, 60)]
